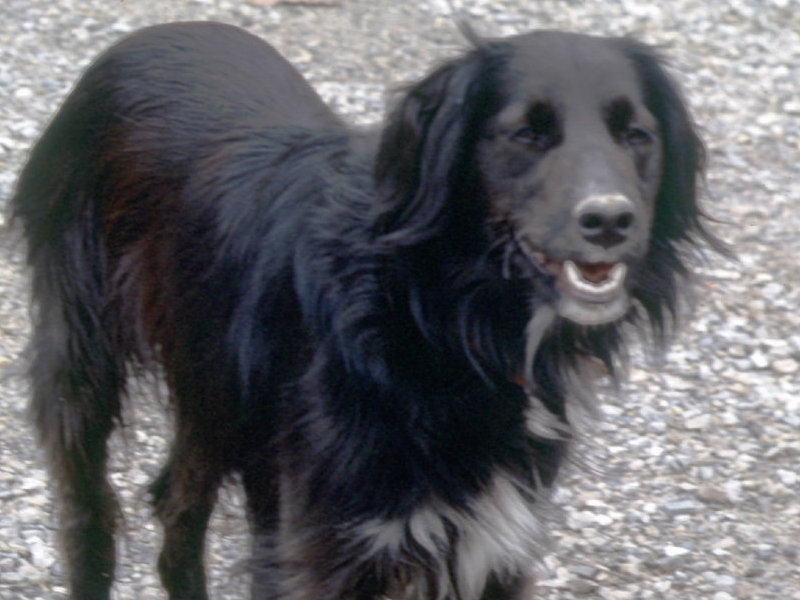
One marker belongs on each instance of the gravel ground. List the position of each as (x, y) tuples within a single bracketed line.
[(690, 484)]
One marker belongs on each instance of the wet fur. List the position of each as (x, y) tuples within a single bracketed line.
[(337, 315)]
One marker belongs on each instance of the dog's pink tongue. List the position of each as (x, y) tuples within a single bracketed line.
[(595, 273)]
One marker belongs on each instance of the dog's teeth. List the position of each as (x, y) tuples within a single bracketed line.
[(614, 280)]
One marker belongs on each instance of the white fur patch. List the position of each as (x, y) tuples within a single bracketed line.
[(502, 531)]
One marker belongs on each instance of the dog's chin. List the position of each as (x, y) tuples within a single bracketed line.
[(593, 313)]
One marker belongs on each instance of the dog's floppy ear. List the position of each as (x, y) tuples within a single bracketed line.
[(678, 214), (422, 151)]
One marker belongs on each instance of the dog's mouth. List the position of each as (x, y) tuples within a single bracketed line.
[(589, 293)]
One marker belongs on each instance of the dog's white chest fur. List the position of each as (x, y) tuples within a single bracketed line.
[(502, 531)]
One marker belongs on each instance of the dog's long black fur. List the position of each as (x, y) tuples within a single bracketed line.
[(377, 331)]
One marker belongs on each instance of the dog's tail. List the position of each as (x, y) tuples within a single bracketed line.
[(76, 367)]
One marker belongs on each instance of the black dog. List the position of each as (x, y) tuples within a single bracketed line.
[(378, 334)]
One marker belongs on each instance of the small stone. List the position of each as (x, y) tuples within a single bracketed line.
[(24, 93), (658, 427), (765, 552), (631, 569), (681, 507), (584, 571), (675, 557), (582, 587), (675, 551), (754, 570), (13, 578), (662, 587), (792, 106), (30, 572), (759, 360), (678, 383), (706, 472), (733, 490), (42, 557), (788, 478), (785, 366), (618, 595), (711, 494), (698, 422), (32, 483)]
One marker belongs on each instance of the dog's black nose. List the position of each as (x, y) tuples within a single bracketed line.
[(605, 220)]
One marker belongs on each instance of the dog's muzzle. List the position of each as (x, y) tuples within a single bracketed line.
[(592, 291)]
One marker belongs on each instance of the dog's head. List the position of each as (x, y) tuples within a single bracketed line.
[(572, 158), (572, 164)]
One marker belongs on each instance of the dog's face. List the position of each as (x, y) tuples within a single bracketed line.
[(572, 167), (572, 158)]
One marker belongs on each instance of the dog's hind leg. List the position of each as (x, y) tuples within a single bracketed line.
[(75, 402), (183, 496)]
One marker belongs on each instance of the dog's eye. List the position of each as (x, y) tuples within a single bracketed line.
[(637, 136), (541, 133), (620, 116), (538, 140)]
